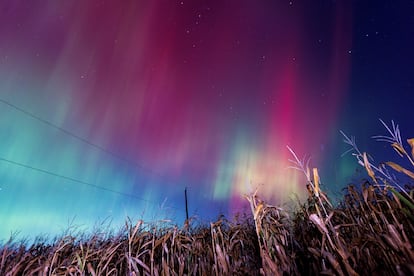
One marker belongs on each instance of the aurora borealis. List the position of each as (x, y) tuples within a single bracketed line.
[(110, 110)]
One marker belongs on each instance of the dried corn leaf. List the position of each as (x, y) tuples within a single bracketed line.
[(270, 267), (368, 167), (390, 242), (222, 260), (399, 149), (258, 209), (334, 263), (319, 223), (396, 198), (365, 194), (403, 199), (398, 168), (395, 235), (91, 270), (411, 143), (316, 252), (316, 181), (142, 264)]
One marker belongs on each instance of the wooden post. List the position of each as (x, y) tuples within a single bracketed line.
[(186, 204)]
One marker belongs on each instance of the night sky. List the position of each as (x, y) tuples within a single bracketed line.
[(109, 110)]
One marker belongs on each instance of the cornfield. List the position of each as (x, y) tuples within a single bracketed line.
[(370, 232)]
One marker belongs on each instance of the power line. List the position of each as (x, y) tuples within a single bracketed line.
[(70, 133), (67, 132), (74, 180)]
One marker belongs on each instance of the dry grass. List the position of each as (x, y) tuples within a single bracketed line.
[(371, 232)]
